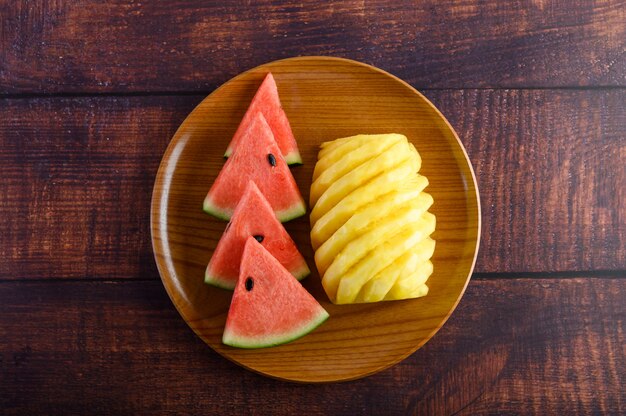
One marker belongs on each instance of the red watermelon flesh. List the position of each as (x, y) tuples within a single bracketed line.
[(256, 158), (253, 217), (266, 101), (269, 306)]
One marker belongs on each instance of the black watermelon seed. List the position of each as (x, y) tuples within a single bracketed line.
[(249, 284), (259, 238), (271, 159)]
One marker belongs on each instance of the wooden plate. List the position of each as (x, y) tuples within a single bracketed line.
[(325, 98)]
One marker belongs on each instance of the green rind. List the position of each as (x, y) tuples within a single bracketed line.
[(254, 343), (296, 211), (302, 272), (215, 280), (212, 209), (292, 158)]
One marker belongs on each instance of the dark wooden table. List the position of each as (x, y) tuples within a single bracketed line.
[(92, 91)]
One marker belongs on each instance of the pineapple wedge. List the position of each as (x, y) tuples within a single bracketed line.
[(370, 225), (370, 149), (349, 284), (420, 291), (330, 222), (408, 267), (372, 216), (357, 249), (361, 175), (378, 286), (411, 286), (333, 152)]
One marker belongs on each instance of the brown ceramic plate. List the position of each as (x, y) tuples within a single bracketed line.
[(325, 98)]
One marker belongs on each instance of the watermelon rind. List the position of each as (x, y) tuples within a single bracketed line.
[(215, 280), (210, 208), (228, 284), (240, 341), (289, 214), (298, 210), (292, 158)]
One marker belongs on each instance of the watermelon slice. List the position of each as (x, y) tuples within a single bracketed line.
[(269, 306), (266, 101), (256, 158), (253, 217)]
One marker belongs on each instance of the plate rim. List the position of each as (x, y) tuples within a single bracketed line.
[(156, 208)]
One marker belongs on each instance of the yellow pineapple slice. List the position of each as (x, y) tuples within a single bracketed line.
[(360, 247), (333, 152), (408, 266), (356, 157), (361, 175), (350, 283), (419, 291), (413, 285), (409, 193), (330, 222), (370, 225), (378, 286)]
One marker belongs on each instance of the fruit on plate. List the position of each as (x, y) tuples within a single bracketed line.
[(353, 154), (409, 269), (267, 101), (269, 306), (254, 217), (371, 229), (329, 196), (412, 285), (366, 228), (257, 158), (329, 223)]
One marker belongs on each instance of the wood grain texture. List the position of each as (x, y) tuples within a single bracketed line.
[(94, 46), (551, 174), (534, 152), (76, 184), (522, 346), (323, 98)]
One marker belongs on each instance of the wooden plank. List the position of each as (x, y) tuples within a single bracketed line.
[(527, 346), (551, 172), (77, 179), (78, 174), (94, 46)]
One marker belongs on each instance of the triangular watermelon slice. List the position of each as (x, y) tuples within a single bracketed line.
[(269, 306), (266, 101), (256, 158), (253, 217)]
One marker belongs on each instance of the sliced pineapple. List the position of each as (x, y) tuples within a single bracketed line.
[(370, 224), (366, 151), (361, 175), (333, 152), (378, 286), (405, 268), (350, 283), (330, 222), (412, 285), (371, 216), (420, 291), (386, 229)]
